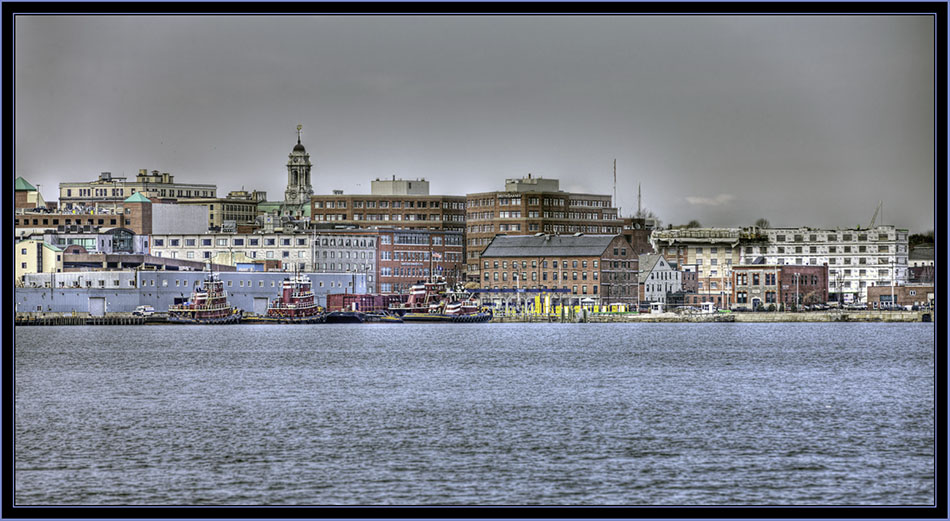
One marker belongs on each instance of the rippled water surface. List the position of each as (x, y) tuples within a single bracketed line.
[(507, 414)]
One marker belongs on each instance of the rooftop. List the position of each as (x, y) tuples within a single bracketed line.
[(547, 245)]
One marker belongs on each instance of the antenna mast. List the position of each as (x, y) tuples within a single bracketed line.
[(615, 182)]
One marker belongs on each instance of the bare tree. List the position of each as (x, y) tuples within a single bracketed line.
[(763, 223), (694, 224)]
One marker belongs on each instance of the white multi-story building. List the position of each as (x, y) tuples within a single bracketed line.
[(317, 252), (856, 258)]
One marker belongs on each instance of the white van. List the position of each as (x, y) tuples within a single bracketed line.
[(143, 311)]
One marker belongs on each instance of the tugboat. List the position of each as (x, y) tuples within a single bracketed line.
[(433, 302), (208, 305), (295, 304)]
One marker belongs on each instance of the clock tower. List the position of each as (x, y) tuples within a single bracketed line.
[(298, 190)]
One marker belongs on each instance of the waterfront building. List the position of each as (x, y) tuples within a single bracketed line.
[(908, 295), (532, 205), (857, 258), (782, 285), (409, 256), (392, 204), (602, 268), (36, 256), (330, 251), (708, 255), (98, 292), (657, 278), (110, 190)]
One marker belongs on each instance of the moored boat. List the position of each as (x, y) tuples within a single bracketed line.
[(432, 301), (295, 304), (208, 305)]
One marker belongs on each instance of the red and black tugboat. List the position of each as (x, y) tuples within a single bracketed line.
[(295, 305), (434, 302), (208, 305)]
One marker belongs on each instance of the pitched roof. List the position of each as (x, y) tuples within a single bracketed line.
[(647, 262), (547, 246), (137, 197), (21, 184)]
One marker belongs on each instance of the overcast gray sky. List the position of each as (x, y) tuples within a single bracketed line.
[(804, 120)]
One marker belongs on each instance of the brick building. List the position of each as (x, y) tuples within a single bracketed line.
[(755, 285), (408, 256), (888, 297), (393, 204), (533, 205), (600, 267)]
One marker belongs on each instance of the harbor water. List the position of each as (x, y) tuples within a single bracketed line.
[(483, 414)]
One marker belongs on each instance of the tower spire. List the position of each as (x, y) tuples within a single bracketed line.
[(299, 127)]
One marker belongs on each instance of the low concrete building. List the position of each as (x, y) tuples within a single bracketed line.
[(98, 292), (921, 255), (332, 251)]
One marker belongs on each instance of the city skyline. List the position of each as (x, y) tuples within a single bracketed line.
[(805, 121)]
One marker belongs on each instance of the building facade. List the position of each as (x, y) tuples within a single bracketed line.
[(709, 254), (409, 211), (657, 278), (907, 296), (408, 256), (352, 252), (109, 189), (857, 258), (36, 256), (528, 206), (98, 292), (238, 208), (785, 286), (600, 267)]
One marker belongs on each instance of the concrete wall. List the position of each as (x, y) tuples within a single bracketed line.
[(160, 288), (179, 219)]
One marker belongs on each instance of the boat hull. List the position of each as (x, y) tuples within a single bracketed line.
[(233, 318), (313, 319), (442, 317), (344, 317)]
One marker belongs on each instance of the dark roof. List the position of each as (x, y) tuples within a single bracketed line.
[(547, 246), (299, 148)]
